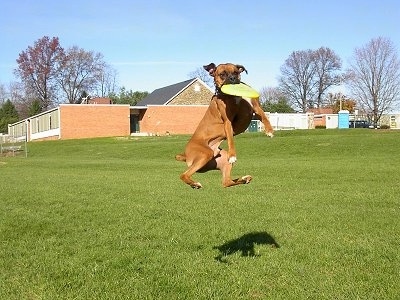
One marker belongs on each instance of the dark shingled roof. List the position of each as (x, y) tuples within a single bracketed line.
[(163, 95)]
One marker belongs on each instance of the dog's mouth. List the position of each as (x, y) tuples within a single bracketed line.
[(232, 80), (218, 88)]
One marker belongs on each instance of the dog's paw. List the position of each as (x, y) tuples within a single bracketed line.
[(270, 134), (196, 185), (232, 159), (247, 179)]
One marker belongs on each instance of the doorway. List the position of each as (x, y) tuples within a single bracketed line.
[(134, 123)]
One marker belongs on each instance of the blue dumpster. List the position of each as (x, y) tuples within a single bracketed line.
[(253, 126), (343, 119)]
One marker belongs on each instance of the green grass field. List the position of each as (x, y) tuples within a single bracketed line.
[(110, 219)]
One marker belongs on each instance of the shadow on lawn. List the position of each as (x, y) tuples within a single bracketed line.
[(245, 245)]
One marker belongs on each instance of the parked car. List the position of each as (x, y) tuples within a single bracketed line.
[(361, 124)]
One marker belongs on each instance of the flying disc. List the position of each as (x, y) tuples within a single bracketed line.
[(240, 89)]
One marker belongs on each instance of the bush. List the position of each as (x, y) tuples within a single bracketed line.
[(320, 127), (385, 126)]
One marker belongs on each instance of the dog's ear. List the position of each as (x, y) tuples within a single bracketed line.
[(210, 68), (241, 68)]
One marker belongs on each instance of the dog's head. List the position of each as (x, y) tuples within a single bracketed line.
[(225, 73)]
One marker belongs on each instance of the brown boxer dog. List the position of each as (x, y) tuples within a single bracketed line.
[(225, 117)]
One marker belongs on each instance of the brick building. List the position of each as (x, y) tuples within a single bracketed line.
[(175, 109), (74, 121)]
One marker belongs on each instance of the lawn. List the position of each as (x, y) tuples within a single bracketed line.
[(110, 219)]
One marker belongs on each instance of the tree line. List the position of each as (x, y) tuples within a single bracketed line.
[(372, 79), (307, 78), (49, 75)]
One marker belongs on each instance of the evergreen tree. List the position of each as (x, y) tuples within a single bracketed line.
[(8, 115), (34, 108)]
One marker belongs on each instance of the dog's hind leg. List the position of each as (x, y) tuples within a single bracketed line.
[(202, 161), (180, 157), (226, 168)]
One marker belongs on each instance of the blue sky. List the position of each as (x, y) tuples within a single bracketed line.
[(154, 43)]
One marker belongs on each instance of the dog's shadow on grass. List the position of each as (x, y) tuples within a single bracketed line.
[(245, 245)]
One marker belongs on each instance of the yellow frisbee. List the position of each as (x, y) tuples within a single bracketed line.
[(240, 89)]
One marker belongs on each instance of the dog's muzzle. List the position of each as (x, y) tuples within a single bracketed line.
[(232, 80)]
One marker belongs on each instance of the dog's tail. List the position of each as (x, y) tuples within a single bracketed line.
[(180, 157)]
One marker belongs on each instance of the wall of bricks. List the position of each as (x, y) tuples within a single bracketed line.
[(90, 121), (172, 119), (181, 115), (320, 120)]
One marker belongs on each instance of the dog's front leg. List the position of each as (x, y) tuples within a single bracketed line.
[(259, 112), (229, 139), (228, 132)]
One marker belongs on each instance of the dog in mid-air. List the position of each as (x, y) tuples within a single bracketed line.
[(225, 117)]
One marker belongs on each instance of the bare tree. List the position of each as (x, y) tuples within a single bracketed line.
[(106, 82), (327, 65), (23, 97), (332, 98), (374, 77), (203, 75), (270, 94), (297, 80), (339, 101), (38, 67), (3, 94), (273, 100), (307, 76), (80, 71)]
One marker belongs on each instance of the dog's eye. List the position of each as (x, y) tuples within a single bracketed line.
[(223, 75)]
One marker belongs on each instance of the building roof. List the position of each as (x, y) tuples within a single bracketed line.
[(164, 95), (98, 100), (321, 111)]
